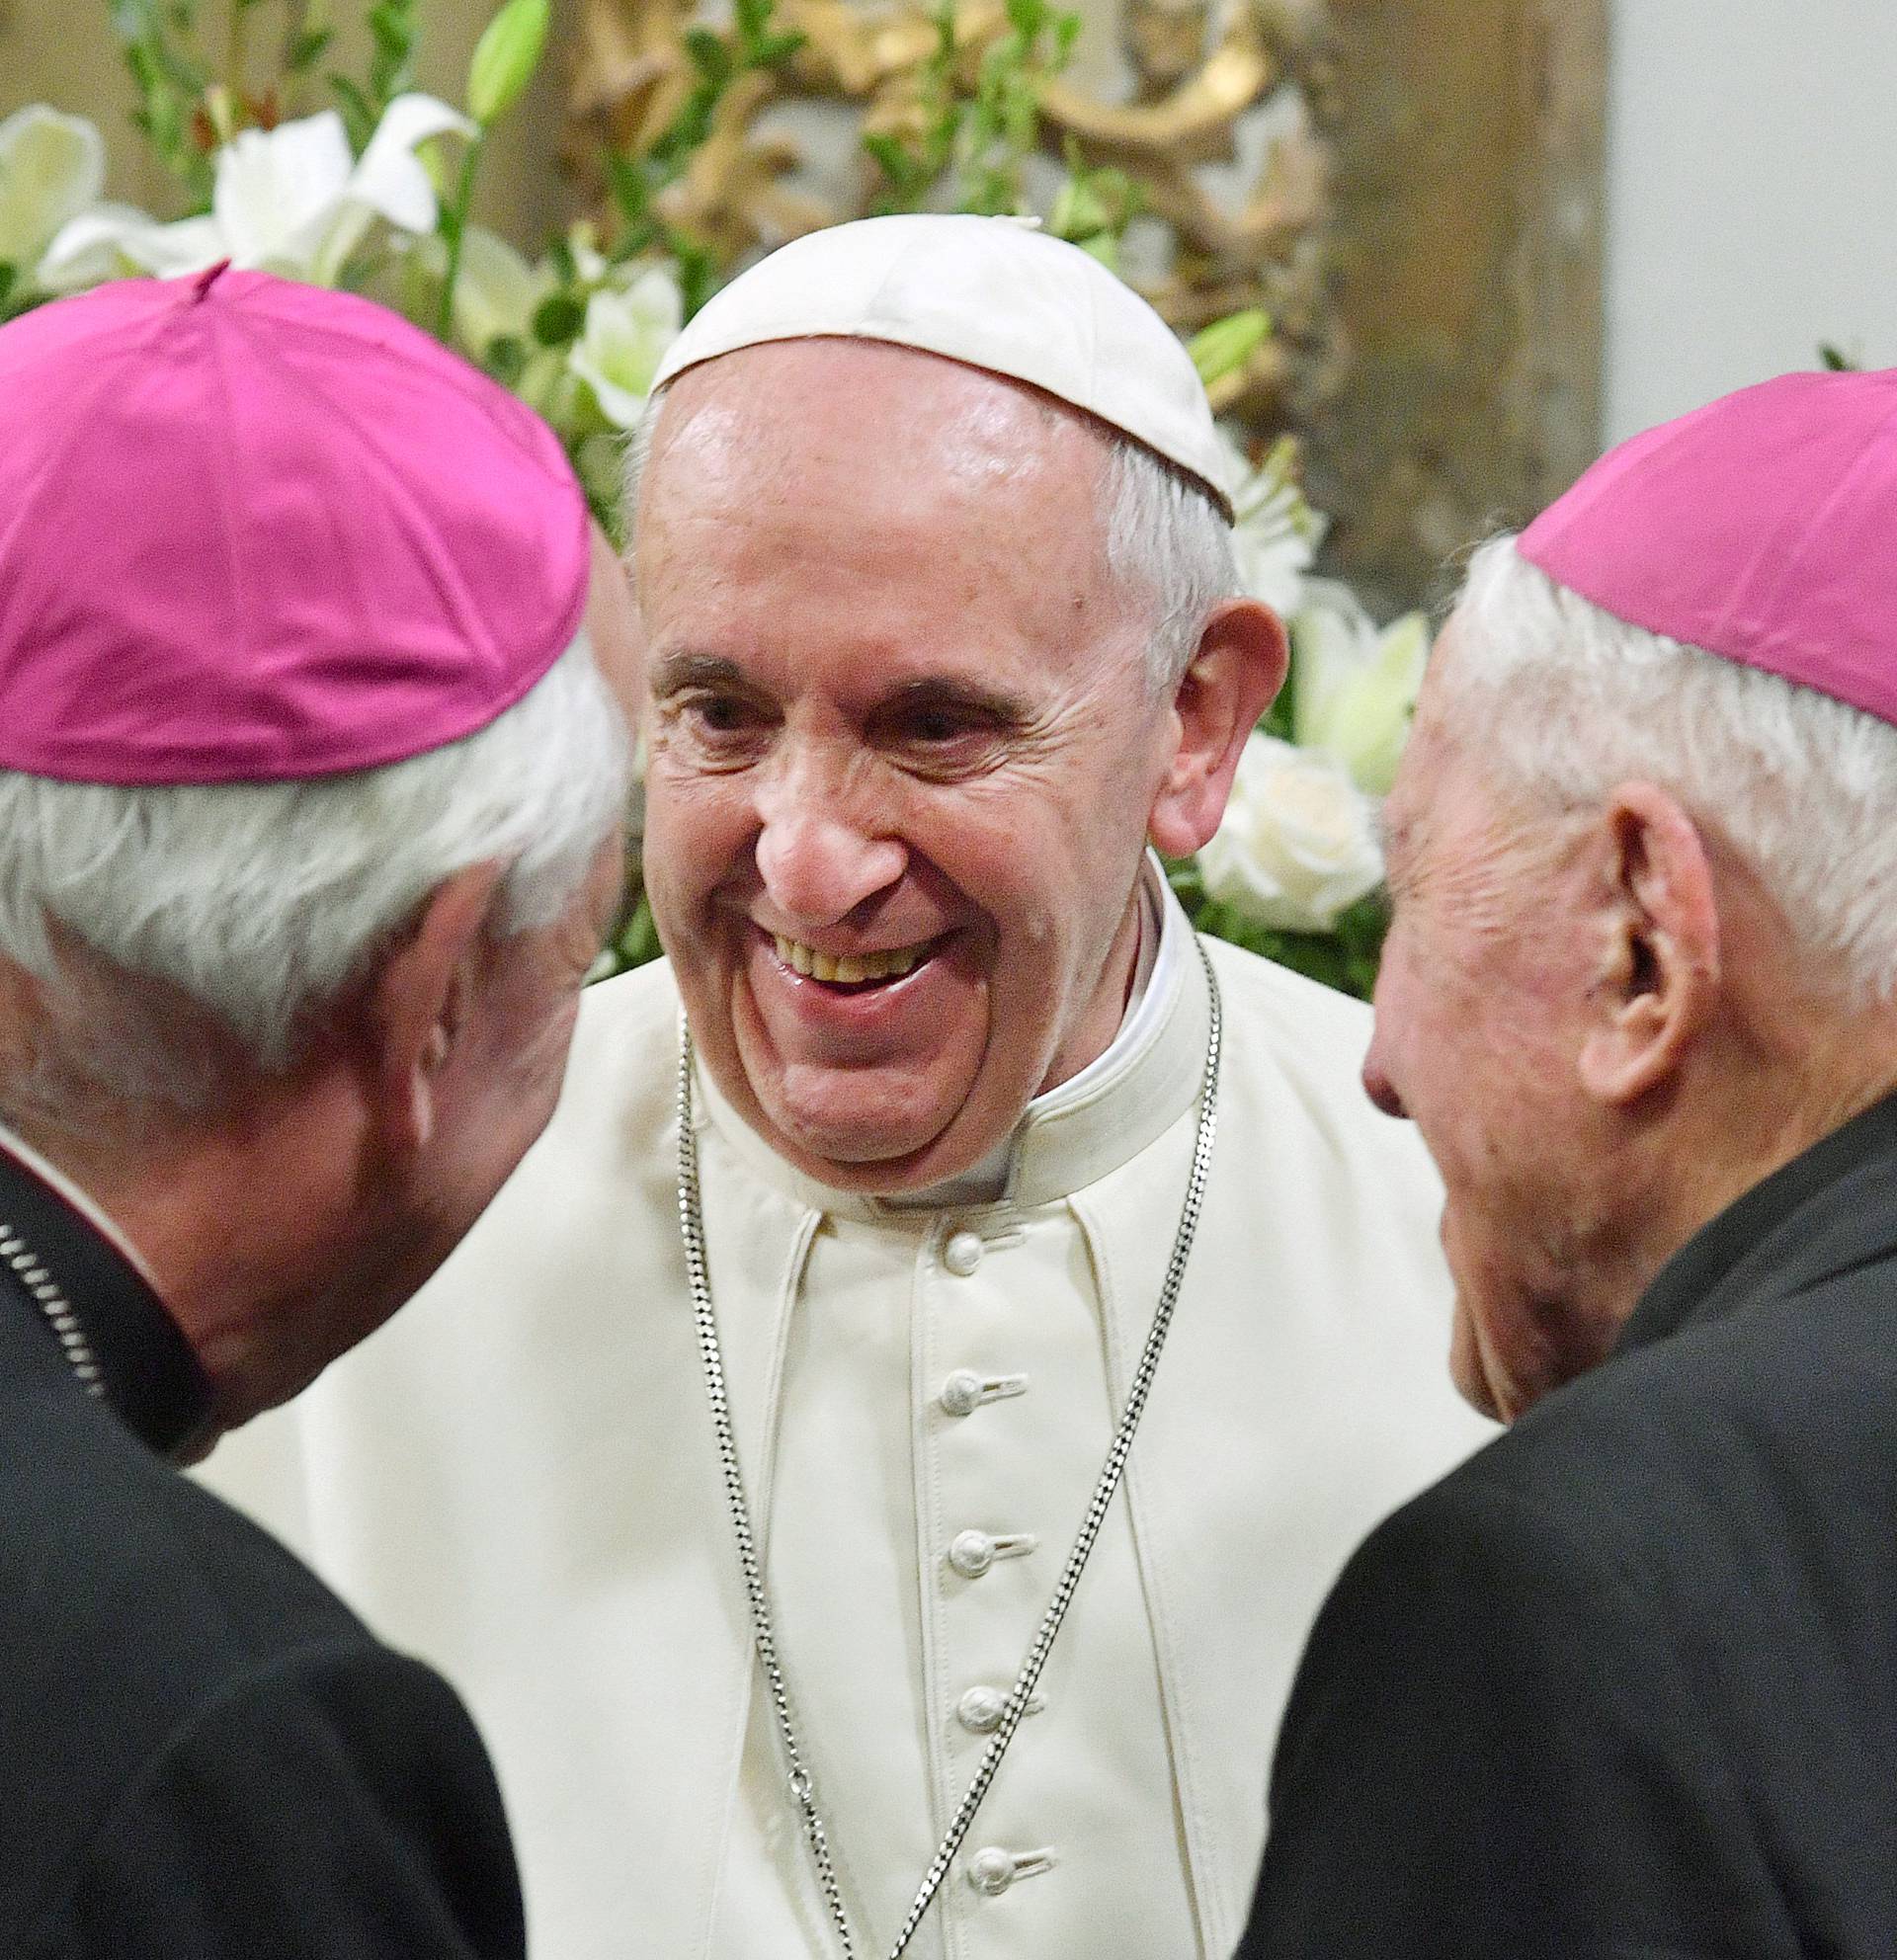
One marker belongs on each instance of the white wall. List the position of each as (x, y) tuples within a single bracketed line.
[(1752, 196)]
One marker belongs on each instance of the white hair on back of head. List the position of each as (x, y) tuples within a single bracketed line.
[(259, 904), (1802, 787), (1167, 541)]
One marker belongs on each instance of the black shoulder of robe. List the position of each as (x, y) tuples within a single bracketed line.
[(1624, 1686), (203, 1752)]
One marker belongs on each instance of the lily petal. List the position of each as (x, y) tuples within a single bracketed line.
[(621, 407), (623, 340), (498, 292), (390, 179), (51, 168), (1333, 641), (276, 190), (115, 240)]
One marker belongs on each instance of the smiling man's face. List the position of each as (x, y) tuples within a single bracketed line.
[(902, 749)]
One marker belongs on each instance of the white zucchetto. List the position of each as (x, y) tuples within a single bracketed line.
[(991, 291)]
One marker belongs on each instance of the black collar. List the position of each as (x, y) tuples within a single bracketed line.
[(1827, 1208), (152, 1380)]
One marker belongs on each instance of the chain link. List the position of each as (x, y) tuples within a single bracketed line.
[(25, 1268), (797, 1774)]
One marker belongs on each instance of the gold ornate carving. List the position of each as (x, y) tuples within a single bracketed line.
[(1193, 82)]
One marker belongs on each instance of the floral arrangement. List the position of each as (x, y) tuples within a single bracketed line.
[(371, 188)]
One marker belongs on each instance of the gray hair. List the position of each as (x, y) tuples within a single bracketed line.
[(258, 904), (1167, 541), (1800, 787)]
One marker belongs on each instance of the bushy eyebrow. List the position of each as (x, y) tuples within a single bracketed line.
[(695, 670)]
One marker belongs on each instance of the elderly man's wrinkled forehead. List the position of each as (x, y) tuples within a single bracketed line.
[(811, 407)]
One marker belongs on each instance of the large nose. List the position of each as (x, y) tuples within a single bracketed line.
[(820, 849), (1377, 1085)]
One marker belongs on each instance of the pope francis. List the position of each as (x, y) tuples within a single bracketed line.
[(873, 1471)]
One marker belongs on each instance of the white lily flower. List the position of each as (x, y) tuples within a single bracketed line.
[(625, 336), (288, 200), (51, 168), (116, 241), (392, 180), (590, 265), (497, 293), (1274, 531), (277, 193), (1355, 683)]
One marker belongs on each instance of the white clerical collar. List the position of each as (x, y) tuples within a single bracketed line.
[(1076, 1132), (986, 1182), (23, 1151)]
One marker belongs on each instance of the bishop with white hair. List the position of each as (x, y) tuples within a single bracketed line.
[(873, 1469)]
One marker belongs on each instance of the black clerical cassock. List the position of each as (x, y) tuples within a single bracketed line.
[(203, 1752)]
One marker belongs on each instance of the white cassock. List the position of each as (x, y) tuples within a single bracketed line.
[(517, 1480)]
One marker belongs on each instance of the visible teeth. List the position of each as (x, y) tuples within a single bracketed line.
[(848, 969)]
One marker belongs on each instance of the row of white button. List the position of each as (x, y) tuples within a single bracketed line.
[(991, 1870)]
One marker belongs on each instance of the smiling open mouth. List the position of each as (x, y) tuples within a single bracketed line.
[(862, 969)]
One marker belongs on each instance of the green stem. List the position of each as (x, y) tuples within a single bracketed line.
[(457, 229)]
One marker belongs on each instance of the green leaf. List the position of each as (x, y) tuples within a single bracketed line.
[(505, 59), (638, 940), (1836, 359), (631, 194), (891, 155), (1226, 345), (697, 270), (306, 50), (8, 276), (390, 29), (709, 56), (558, 320), (359, 117), (391, 26)]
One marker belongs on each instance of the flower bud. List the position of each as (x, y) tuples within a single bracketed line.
[(1226, 345), (1354, 687), (505, 59)]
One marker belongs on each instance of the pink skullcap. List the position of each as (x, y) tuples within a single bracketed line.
[(252, 531), (1761, 528)]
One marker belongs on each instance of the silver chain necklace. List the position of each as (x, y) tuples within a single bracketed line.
[(27, 1268), (797, 1772)]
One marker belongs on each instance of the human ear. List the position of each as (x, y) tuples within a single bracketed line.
[(1660, 967), (419, 1001), (1236, 672)]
